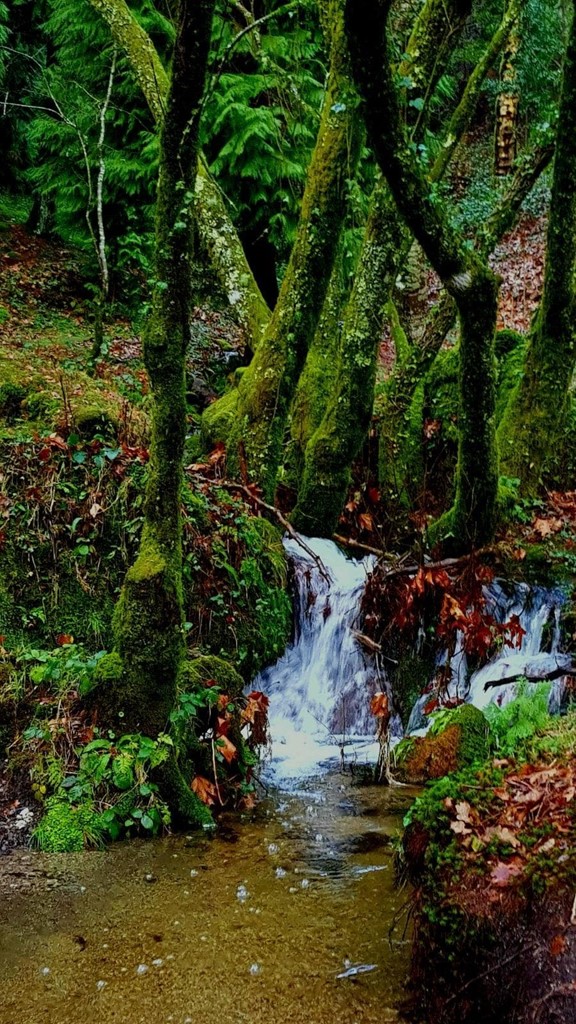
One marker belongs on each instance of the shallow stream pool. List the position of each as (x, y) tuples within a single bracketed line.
[(252, 926)]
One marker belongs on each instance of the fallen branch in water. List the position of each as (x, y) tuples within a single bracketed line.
[(231, 485), (356, 545), (537, 676)]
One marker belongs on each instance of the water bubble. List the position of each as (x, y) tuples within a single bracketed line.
[(280, 873), (142, 969), (273, 848), (100, 985), (255, 968), (82, 888), (305, 883), (242, 893), (319, 837), (150, 878), (157, 962), (45, 971), (193, 872)]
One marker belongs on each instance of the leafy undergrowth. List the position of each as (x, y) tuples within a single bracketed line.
[(92, 785), (504, 830)]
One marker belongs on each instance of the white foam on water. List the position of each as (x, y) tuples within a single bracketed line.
[(320, 689)]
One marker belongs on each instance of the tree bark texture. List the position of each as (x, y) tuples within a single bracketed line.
[(253, 419), (466, 277)]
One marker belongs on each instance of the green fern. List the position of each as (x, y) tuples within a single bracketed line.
[(518, 722)]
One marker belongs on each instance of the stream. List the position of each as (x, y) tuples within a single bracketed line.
[(265, 923), (286, 914)]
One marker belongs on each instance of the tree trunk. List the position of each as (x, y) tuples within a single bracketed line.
[(338, 439), (256, 415), (506, 141), (533, 419), (397, 433), (141, 674), (317, 379), (217, 235), (464, 274)]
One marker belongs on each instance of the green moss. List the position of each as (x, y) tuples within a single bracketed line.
[(267, 387), (218, 418), (410, 677), (456, 739), (473, 747), (344, 427), (11, 398), (196, 673), (67, 829), (92, 420)]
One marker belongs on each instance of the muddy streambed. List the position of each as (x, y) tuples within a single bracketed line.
[(253, 925)]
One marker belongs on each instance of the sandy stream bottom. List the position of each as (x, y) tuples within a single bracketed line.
[(253, 925)]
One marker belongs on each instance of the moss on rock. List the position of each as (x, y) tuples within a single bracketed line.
[(461, 740), (197, 672)]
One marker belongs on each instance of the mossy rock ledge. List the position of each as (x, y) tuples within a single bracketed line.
[(462, 740), (491, 855)]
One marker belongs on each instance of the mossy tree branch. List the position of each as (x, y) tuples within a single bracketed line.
[(218, 237), (339, 436), (466, 277)]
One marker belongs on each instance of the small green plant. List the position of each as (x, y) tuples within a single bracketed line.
[(109, 795), (514, 726)]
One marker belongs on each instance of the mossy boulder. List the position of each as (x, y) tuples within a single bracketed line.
[(460, 740), (92, 420), (197, 672), (494, 892)]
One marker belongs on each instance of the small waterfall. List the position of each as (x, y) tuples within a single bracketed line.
[(538, 657), (320, 688)]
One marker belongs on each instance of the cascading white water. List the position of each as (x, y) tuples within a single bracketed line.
[(320, 688), (537, 610)]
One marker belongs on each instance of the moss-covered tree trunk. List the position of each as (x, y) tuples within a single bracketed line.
[(317, 378), (138, 680), (217, 235), (339, 437), (465, 275), (253, 419), (533, 418)]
